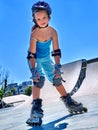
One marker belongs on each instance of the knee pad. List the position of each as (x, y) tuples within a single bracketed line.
[(40, 84), (57, 81)]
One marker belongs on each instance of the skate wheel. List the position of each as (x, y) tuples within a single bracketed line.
[(34, 122), (37, 123), (72, 112), (81, 111), (85, 109)]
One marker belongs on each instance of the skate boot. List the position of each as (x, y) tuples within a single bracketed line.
[(36, 113), (73, 106)]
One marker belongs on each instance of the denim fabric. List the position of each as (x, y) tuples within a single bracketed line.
[(45, 66)]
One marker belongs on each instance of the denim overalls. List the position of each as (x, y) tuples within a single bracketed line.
[(45, 65)]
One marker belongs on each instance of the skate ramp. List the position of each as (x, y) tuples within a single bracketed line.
[(56, 115), (16, 98), (90, 83)]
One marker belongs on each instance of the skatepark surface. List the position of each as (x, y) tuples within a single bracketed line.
[(56, 116)]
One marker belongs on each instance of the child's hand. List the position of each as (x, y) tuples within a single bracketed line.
[(56, 74), (35, 75), (57, 71), (36, 79)]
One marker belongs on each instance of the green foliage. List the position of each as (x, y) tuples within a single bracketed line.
[(9, 93), (3, 88), (28, 90), (1, 93), (13, 90)]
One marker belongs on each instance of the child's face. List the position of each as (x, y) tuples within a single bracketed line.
[(42, 18)]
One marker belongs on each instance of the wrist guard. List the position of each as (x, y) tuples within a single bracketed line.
[(34, 73), (58, 69)]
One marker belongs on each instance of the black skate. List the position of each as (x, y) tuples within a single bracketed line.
[(73, 106), (36, 114)]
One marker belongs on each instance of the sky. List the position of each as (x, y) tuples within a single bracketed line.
[(76, 22)]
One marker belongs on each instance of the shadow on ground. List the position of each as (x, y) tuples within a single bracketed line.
[(51, 125)]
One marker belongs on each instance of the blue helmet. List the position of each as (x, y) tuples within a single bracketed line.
[(41, 5)]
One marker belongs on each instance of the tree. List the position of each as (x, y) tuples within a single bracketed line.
[(3, 81), (9, 93), (1, 93), (13, 90), (28, 90)]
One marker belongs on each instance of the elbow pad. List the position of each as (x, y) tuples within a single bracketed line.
[(31, 55), (56, 52)]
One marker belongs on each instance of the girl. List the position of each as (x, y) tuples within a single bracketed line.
[(40, 63)]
